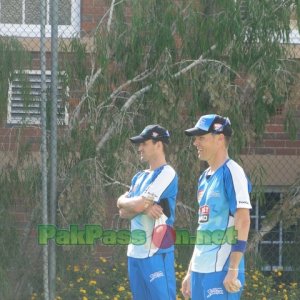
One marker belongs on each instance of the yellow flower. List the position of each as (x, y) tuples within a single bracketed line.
[(76, 268), (121, 288), (293, 284), (103, 259), (84, 298), (97, 271), (264, 298), (255, 285), (79, 279), (285, 297), (98, 292), (92, 282), (71, 284), (279, 273), (58, 298), (254, 278), (280, 286), (82, 290), (114, 269)]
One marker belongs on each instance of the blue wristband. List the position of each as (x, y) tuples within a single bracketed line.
[(240, 246)]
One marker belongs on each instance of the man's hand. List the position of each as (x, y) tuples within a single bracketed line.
[(231, 283), (154, 211), (186, 286), (119, 202)]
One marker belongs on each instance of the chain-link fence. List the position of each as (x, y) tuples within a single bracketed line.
[(83, 64)]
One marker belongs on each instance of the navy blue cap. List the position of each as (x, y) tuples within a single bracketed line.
[(152, 132), (211, 124)]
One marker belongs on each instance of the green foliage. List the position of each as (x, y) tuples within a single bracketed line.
[(19, 182), (242, 74), (101, 279), (269, 286), (13, 57), (105, 279)]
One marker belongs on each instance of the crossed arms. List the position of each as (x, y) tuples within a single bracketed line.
[(129, 207)]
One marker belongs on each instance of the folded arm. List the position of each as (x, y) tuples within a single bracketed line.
[(131, 206)]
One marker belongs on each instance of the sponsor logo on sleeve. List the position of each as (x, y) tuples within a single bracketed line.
[(244, 202)]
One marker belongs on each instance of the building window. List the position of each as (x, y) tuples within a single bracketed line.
[(21, 18), (278, 247), (24, 99)]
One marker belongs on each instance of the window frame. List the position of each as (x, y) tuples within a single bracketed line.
[(29, 119), (33, 30), (280, 242)]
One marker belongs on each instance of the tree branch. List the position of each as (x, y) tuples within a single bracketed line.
[(111, 10), (192, 65), (114, 124), (140, 93), (89, 85)]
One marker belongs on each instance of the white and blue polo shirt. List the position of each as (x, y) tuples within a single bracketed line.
[(161, 185), (219, 196)]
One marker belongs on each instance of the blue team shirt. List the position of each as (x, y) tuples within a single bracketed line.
[(219, 196), (160, 185)]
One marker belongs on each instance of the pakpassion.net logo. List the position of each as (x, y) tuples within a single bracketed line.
[(163, 236)]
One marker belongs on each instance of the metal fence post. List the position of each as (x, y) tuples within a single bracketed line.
[(53, 147), (43, 11)]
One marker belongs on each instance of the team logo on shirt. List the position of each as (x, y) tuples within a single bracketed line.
[(203, 213)]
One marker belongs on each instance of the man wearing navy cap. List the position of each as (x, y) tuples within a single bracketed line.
[(150, 204), (216, 269)]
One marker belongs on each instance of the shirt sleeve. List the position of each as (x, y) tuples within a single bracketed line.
[(237, 187), (160, 184), (133, 181)]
